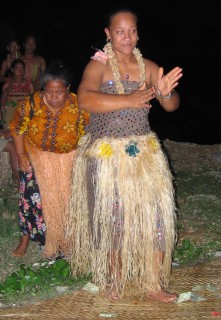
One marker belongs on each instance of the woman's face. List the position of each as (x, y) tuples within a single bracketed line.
[(13, 47), (19, 70), (30, 45), (55, 93), (123, 32)]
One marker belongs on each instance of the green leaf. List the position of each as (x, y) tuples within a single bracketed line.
[(38, 280), (66, 272), (2, 287), (21, 273), (32, 274), (186, 244), (59, 264), (10, 281), (14, 276)]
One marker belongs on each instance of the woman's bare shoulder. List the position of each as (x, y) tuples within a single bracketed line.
[(94, 65), (150, 64), (93, 73)]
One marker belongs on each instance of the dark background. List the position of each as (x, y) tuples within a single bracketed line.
[(172, 33)]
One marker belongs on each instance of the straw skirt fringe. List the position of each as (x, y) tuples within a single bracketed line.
[(122, 201), (53, 174)]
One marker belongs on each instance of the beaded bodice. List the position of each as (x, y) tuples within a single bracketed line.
[(121, 123)]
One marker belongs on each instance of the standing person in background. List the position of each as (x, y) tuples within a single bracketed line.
[(122, 208), (6, 75), (13, 48), (14, 90), (35, 64), (46, 131)]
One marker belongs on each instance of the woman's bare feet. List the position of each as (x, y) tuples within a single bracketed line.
[(163, 296), (22, 247), (112, 292)]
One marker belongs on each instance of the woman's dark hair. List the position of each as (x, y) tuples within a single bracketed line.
[(28, 36), (13, 39), (113, 10), (17, 61), (57, 70)]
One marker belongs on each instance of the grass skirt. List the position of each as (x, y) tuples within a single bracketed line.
[(53, 174), (122, 202)]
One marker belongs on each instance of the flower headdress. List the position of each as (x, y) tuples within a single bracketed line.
[(108, 53)]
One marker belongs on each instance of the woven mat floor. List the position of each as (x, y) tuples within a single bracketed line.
[(83, 305)]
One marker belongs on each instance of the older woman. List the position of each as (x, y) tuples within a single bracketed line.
[(46, 129)]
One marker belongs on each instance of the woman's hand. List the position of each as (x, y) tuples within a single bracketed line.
[(24, 162), (141, 97), (165, 84), (5, 133)]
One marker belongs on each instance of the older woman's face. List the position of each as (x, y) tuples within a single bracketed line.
[(56, 93)]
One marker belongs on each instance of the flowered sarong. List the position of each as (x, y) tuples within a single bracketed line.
[(30, 207)]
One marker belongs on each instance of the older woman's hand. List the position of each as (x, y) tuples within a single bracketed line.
[(24, 162)]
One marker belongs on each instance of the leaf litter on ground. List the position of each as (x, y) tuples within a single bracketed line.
[(199, 223)]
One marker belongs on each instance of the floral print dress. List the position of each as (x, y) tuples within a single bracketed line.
[(30, 208)]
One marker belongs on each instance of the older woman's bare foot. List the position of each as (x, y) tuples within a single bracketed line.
[(20, 250), (162, 296)]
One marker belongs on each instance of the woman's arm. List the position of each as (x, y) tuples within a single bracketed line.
[(4, 66), (42, 65), (165, 85), (23, 159), (90, 99), (4, 95), (19, 125)]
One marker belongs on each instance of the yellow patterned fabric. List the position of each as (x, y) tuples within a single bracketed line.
[(46, 132)]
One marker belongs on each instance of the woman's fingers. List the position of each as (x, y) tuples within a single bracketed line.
[(175, 74), (24, 164)]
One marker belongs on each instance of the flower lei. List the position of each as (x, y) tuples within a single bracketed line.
[(115, 67)]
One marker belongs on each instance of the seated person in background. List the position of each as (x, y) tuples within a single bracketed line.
[(35, 64), (14, 90), (13, 48)]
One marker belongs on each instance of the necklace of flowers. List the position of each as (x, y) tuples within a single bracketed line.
[(115, 66)]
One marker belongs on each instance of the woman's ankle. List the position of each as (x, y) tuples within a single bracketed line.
[(20, 250)]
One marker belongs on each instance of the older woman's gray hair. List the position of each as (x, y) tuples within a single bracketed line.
[(57, 70)]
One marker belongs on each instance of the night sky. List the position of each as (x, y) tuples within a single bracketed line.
[(172, 33)]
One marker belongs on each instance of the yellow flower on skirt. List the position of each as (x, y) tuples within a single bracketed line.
[(105, 150), (153, 143)]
